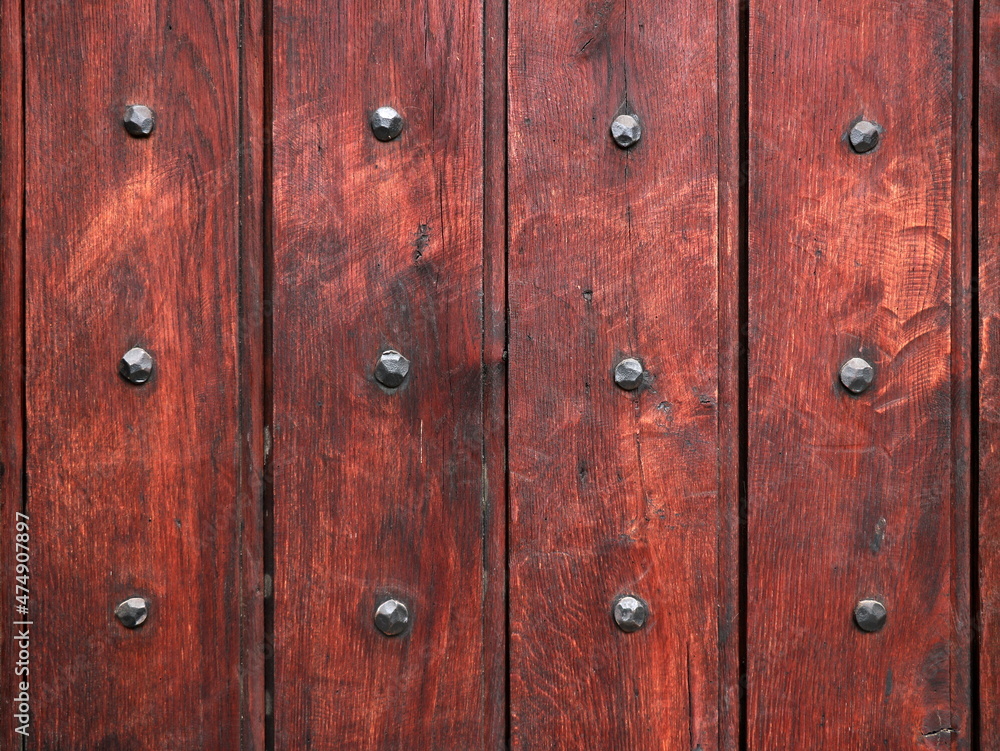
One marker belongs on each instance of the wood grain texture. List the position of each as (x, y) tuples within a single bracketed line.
[(253, 315), (989, 374), (11, 348), (854, 496), (612, 254), (377, 493), (133, 489), (963, 327)]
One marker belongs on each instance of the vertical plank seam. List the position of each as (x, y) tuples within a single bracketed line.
[(974, 360), (244, 671), (24, 258), (743, 357), (11, 286), (961, 371), (250, 439), (24, 276), (506, 348), (729, 273), (494, 333), (965, 351), (267, 393)]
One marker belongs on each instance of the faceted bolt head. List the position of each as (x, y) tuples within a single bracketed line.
[(626, 130), (870, 615), (139, 120), (628, 374), (132, 613), (391, 369), (392, 617), (630, 613), (386, 123), (136, 365), (857, 375), (864, 136)]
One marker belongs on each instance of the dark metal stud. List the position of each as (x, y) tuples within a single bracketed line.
[(857, 375), (386, 123), (139, 120), (870, 615), (628, 374), (630, 613), (136, 365), (626, 130), (132, 613), (392, 617), (391, 369), (864, 136)]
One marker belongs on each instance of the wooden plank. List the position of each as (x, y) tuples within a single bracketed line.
[(989, 374), (613, 254), (15, 677), (133, 488), (378, 492), (854, 496)]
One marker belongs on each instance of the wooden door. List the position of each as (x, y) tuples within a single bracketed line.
[(486, 374)]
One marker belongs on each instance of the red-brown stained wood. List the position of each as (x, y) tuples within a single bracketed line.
[(378, 245), (11, 352), (731, 409), (252, 317), (853, 497), (989, 373), (963, 328), (132, 490), (613, 254)]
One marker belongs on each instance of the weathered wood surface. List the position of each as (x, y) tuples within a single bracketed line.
[(613, 254), (11, 351), (989, 374), (132, 489), (378, 245), (850, 496), (495, 369)]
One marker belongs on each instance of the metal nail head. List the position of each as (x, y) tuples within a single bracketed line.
[(870, 615), (136, 365), (864, 136), (630, 613), (386, 123), (139, 120), (132, 613), (628, 374), (392, 617), (857, 375), (626, 130), (392, 369)]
